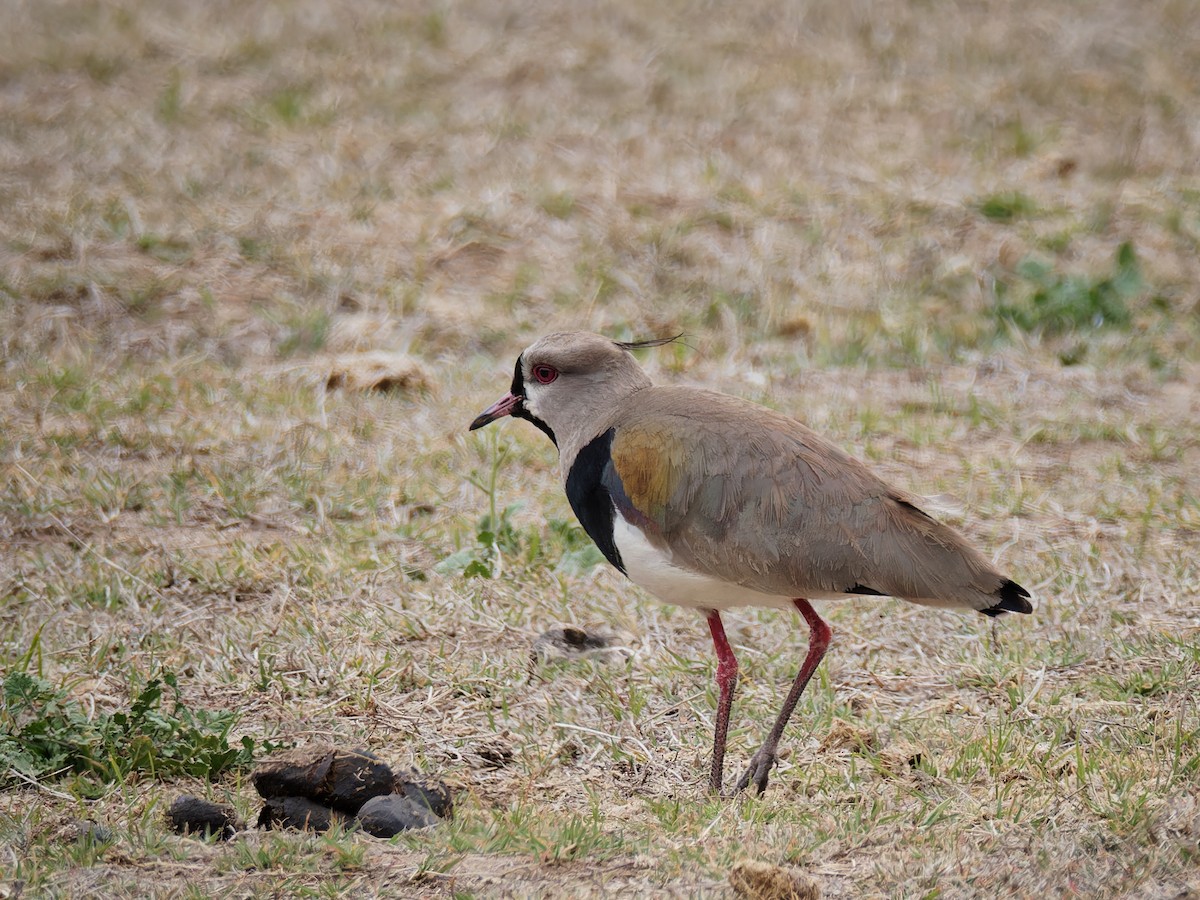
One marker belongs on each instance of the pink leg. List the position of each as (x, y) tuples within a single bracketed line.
[(819, 635), (727, 669)]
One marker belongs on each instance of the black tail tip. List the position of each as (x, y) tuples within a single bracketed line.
[(1013, 598)]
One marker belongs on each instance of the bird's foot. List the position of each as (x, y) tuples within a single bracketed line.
[(756, 773)]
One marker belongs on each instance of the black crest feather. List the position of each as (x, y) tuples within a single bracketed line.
[(650, 342)]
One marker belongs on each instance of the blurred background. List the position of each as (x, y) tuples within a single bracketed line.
[(889, 183)]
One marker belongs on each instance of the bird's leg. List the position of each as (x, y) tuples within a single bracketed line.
[(819, 635), (727, 669)]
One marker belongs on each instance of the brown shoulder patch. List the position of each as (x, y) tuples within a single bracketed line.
[(648, 463)]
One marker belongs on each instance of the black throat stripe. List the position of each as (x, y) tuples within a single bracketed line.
[(590, 499), (519, 411)]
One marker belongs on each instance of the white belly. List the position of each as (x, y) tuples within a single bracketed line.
[(650, 568)]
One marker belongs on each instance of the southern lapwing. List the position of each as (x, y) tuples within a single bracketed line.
[(713, 502)]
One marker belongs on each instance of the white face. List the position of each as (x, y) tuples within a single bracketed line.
[(544, 388), (534, 394)]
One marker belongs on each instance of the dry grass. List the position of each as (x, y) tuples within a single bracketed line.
[(204, 204)]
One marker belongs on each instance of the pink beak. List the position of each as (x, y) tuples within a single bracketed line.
[(498, 410)]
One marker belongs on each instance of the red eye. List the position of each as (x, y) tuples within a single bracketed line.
[(545, 374)]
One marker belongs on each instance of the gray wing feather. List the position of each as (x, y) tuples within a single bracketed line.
[(779, 509)]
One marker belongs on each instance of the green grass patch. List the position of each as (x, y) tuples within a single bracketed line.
[(45, 733), (1007, 206), (1045, 300)]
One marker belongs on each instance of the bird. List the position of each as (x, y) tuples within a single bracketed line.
[(710, 501)]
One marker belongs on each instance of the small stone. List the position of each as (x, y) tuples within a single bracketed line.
[(87, 831), (430, 793), (195, 815), (384, 817), (301, 814), (571, 642), (755, 880)]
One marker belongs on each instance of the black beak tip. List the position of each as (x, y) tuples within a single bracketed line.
[(505, 406)]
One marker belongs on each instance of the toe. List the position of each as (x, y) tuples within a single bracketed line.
[(756, 773), (760, 778)]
